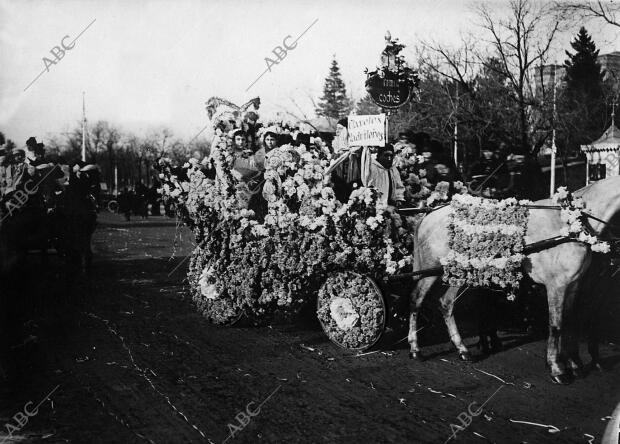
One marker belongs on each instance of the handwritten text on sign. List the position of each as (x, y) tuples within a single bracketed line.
[(367, 130)]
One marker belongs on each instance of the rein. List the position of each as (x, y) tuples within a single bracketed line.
[(479, 187)]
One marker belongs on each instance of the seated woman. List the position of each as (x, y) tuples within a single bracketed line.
[(270, 141), (247, 168)]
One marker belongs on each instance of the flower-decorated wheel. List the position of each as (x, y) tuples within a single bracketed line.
[(351, 310), (208, 296)]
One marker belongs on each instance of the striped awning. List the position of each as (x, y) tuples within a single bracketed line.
[(608, 142)]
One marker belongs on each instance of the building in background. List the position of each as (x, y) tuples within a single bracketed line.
[(610, 63), (544, 75)]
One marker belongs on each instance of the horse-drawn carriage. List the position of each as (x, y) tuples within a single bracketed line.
[(348, 256)]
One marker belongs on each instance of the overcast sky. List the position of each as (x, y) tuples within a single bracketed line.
[(145, 64)]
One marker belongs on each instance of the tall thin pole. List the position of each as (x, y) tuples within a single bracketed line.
[(553, 147), (456, 130), (115, 179), (83, 126), (613, 115)]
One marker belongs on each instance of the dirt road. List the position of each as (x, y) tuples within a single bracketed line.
[(132, 361)]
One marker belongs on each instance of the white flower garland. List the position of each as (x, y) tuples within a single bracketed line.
[(572, 214)]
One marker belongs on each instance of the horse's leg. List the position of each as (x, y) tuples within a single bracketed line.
[(555, 298), (571, 331), (447, 307), (596, 307), (417, 297)]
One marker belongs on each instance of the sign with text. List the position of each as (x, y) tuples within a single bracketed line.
[(367, 130), (389, 90)]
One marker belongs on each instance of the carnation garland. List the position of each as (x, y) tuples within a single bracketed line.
[(486, 240), (572, 214)]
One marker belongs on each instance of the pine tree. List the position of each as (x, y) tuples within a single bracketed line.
[(581, 106), (334, 103), (583, 72)]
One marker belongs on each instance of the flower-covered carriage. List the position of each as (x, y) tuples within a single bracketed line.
[(267, 260), (265, 255)]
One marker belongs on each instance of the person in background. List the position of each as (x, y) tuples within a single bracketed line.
[(125, 203), (488, 176), (443, 170), (16, 172), (154, 198), (403, 142), (525, 178), (140, 200), (39, 152), (385, 178), (30, 151)]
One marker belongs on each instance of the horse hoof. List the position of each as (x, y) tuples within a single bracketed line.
[(417, 355), (466, 357), (562, 379)]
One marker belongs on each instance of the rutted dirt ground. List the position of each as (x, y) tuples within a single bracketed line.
[(134, 362)]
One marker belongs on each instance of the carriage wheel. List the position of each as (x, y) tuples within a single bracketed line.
[(351, 310), (113, 206)]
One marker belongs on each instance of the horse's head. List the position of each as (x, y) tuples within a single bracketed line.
[(602, 200)]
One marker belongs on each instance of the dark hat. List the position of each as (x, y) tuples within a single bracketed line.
[(383, 149), (31, 142), (344, 122)]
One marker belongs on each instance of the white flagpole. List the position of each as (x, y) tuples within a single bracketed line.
[(83, 126), (553, 147), (456, 131)]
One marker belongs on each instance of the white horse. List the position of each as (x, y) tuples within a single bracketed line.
[(559, 269)]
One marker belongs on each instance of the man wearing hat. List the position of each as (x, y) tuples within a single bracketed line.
[(385, 178), (15, 173), (31, 148)]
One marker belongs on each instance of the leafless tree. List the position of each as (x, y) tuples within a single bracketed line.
[(521, 40), (458, 64), (608, 11)]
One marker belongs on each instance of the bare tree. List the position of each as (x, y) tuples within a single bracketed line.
[(459, 64), (521, 41), (159, 139), (605, 10)]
